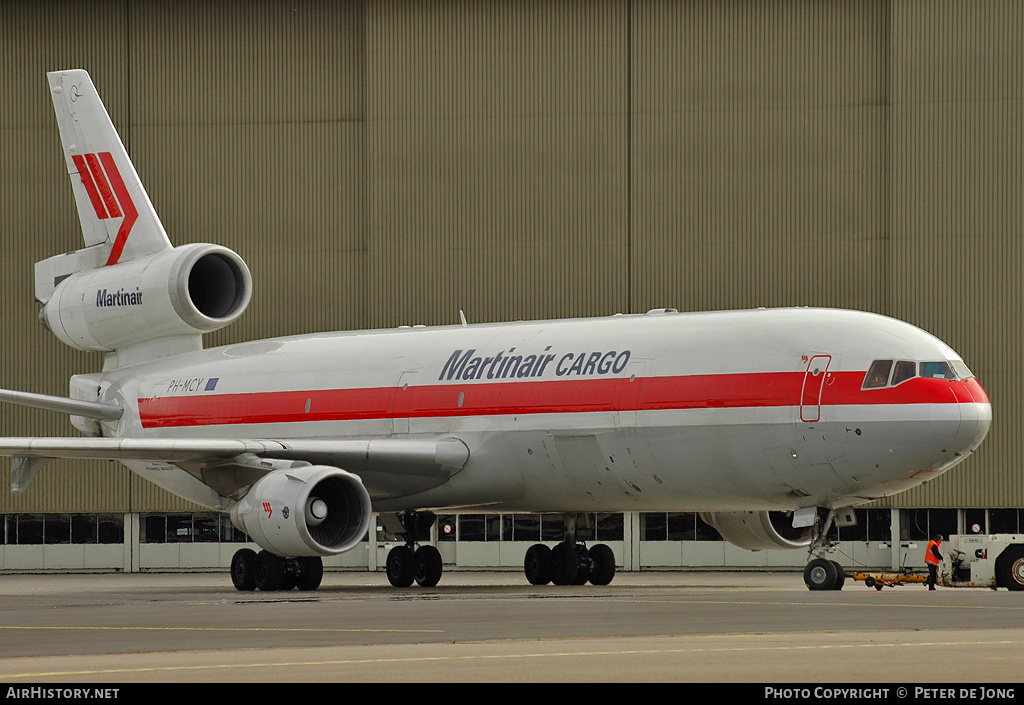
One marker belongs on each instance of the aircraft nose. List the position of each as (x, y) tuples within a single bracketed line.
[(975, 414)]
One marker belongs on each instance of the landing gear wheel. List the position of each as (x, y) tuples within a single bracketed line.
[(840, 576), (269, 572), (1010, 568), (243, 570), (603, 569), (401, 566), (537, 564), (428, 566), (564, 565), (820, 574), (311, 573)]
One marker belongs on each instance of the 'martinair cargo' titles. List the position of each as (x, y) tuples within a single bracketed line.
[(466, 364), (118, 298)]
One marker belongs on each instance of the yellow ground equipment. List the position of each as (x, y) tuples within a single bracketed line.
[(880, 580)]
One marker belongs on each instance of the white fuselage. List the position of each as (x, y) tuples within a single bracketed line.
[(759, 409)]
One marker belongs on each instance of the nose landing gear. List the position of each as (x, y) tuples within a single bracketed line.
[(823, 573)]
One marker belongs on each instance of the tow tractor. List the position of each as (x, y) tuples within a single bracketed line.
[(969, 560), (983, 560)]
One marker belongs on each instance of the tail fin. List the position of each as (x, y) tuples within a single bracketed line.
[(118, 220), (128, 292)]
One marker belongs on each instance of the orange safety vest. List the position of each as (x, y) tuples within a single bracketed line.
[(929, 555)]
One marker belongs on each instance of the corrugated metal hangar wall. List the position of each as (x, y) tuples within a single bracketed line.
[(388, 163)]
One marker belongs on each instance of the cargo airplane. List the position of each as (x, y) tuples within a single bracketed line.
[(767, 422)]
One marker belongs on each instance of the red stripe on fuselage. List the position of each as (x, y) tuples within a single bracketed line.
[(756, 390)]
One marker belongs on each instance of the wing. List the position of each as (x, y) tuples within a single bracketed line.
[(388, 467)]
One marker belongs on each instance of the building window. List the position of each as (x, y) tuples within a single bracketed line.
[(1005, 521), (975, 521), (654, 526), (447, 527), (524, 527), (24, 529), (209, 527), (609, 527), (923, 524), (479, 527), (872, 525), (30, 529), (676, 526)]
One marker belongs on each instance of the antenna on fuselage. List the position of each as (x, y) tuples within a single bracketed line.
[(462, 317)]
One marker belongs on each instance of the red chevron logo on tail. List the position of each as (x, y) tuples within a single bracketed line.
[(108, 195)]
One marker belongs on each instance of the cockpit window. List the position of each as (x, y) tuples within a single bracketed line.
[(937, 370), (905, 369), (878, 374), (962, 370)]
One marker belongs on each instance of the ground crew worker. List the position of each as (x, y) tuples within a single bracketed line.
[(932, 558)]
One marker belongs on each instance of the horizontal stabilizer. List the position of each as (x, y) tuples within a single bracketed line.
[(63, 405)]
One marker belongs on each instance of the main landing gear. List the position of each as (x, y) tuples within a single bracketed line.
[(823, 573), (408, 564), (570, 562), (268, 572)]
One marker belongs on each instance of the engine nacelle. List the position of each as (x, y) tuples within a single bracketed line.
[(311, 510), (757, 531), (188, 290)]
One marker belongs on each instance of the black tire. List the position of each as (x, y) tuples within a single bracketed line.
[(401, 566), (840, 576), (820, 574), (428, 566), (564, 565), (537, 564), (604, 565), (311, 573), (1010, 568), (269, 571), (869, 582), (243, 570)]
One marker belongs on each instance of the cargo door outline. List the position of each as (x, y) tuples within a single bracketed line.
[(628, 398), (814, 383)]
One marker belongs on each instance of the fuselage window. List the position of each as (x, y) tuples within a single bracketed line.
[(878, 374), (937, 370), (905, 369)]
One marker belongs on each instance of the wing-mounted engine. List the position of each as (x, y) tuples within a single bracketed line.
[(757, 531), (310, 510), (182, 291)]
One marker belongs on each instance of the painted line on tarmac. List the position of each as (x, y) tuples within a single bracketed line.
[(298, 630), (510, 657)]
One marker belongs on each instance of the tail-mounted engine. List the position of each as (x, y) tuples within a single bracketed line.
[(757, 531), (311, 510), (187, 290)]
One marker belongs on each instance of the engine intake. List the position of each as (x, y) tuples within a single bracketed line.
[(312, 510), (188, 290), (757, 531)]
